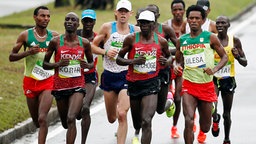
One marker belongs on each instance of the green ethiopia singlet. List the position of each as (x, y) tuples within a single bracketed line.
[(34, 63), (197, 55)]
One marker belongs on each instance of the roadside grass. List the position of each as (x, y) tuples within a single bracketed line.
[(13, 108)]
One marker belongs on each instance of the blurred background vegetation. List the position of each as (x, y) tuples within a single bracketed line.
[(13, 108)]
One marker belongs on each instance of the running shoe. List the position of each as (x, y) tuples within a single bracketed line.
[(215, 126), (171, 110), (135, 140), (201, 137), (226, 142), (174, 134)]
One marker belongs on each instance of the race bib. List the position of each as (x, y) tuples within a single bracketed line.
[(223, 72), (72, 70), (38, 73), (148, 67), (194, 58)]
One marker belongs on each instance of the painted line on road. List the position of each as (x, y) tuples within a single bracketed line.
[(60, 129)]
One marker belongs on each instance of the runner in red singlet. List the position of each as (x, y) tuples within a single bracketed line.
[(69, 52)]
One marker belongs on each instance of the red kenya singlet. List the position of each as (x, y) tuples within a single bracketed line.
[(70, 76), (152, 53)]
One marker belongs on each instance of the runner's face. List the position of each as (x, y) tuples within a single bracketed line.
[(178, 11), (71, 23), (88, 23), (123, 15), (222, 24), (42, 18), (195, 20), (146, 26)]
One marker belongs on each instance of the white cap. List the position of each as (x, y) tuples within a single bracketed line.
[(124, 4), (147, 15)]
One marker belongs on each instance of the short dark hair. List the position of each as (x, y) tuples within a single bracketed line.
[(38, 8), (203, 3), (153, 5), (178, 1), (196, 8)]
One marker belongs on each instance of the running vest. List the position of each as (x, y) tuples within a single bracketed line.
[(115, 41), (229, 69), (152, 53), (70, 76), (161, 33), (169, 23), (34, 63), (95, 57), (171, 46), (205, 26), (197, 55)]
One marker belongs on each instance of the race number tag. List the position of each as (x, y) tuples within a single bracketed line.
[(148, 67), (38, 73), (223, 72), (72, 70), (194, 58)]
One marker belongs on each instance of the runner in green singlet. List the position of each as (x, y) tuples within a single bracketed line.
[(196, 52), (37, 82)]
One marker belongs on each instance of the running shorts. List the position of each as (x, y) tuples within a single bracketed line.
[(164, 75), (142, 88), (63, 94), (225, 85), (91, 78), (203, 91), (113, 81), (32, 88)]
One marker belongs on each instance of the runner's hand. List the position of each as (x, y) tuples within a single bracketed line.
[(209, 71), (140, 60), (177, 69), (235, 53), (111, 53), (63, 62), (162, 60), (34, 50), (85, 64)]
